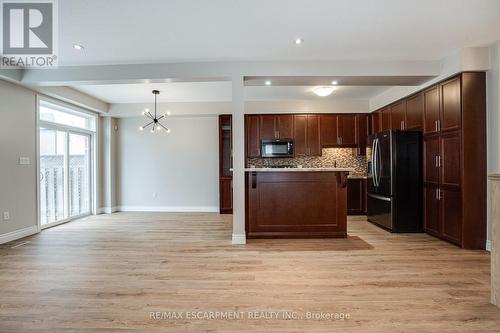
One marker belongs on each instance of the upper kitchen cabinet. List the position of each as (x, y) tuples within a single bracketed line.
[(284, 126), (450, 111), (362, 131), (398, 116), (307, 135), (328, 132), (385, 121), (252, 129), (375, 122), (414, 112), (431, 110), (268, 127), (276, 127), (347, 131)]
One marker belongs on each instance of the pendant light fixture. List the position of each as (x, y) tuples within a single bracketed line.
[(155, 123)]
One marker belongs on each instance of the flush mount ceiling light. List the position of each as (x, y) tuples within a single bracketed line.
[(78, 47), (155, 123), (334, 82), (268, 83), (323, 91)]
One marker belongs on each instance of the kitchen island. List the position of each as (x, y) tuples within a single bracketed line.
[(296, 202)]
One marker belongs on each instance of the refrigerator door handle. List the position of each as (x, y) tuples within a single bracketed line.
[(374, 162), (378, 163)]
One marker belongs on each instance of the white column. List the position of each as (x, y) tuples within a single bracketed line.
[(238, 111), (109, 129)]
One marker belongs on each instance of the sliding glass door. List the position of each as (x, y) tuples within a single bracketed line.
[(65, 165)]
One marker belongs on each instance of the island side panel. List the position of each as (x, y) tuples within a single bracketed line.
[(296, 204)]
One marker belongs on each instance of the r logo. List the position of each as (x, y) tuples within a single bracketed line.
[(27, 28)]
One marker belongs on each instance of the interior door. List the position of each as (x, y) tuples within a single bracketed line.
[(79, 174), (53, 176)]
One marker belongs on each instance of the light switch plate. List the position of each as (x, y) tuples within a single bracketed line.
[(6, 216), (24, 160)]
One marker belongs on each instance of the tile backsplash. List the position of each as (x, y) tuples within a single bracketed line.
[(343, 156)]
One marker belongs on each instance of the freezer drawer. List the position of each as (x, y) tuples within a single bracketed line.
[(380, 209)]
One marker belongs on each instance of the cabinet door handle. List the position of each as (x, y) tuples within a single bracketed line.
[(436, 125), (254, 180), (402, 125), (437, 194), (437, 162)]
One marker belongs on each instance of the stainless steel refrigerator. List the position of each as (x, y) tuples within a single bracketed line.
[(394, 198)]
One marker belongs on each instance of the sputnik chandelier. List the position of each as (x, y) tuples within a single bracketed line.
[(155, 123)]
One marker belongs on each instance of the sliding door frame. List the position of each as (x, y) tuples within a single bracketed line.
[(92, 163)]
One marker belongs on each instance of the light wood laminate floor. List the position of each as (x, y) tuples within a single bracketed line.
[(107, 273)]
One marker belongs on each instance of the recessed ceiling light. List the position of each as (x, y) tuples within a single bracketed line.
[(299, 41), (334, 82), (78, 47), (268, 83), (323, 91)]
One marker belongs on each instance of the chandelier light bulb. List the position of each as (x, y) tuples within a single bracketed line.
[(158, 127), (168, 130), (168, 113), (141, 128)]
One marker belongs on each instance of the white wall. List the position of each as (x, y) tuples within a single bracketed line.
[(17, 182), (181, 168)]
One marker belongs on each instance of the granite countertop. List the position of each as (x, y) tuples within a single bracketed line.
[(298, 169), (357, 177)]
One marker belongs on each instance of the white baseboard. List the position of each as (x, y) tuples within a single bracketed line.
[(173, 209), (239, 239), (17, 234), (488, 245)]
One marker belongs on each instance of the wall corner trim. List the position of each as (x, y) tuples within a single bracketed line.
[(239, 239), (488, 245), (17, 234)]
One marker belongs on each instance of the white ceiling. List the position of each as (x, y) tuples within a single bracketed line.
[(169, 92), (217, 92), (155, 31), (278, 93)]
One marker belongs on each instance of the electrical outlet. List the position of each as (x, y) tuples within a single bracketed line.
[(6, 216), (23, 160)]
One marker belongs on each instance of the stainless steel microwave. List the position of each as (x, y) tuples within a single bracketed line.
[(276, 148)]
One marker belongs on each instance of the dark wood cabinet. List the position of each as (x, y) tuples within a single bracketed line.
[(347, 131), (431, 110), (284, 126), (398, 116), (431, 159), (385, 122), (450, 110), (450, 159), (225, 165), (356, 196), (375, 122), (328, 132), (451, 215), (313, 136), (252, 129), (362, 132), (307, 135), (268, 127), (432, 220), (455, 160), (414, 112)]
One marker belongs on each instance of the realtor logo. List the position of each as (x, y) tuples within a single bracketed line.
[(29, 33)]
